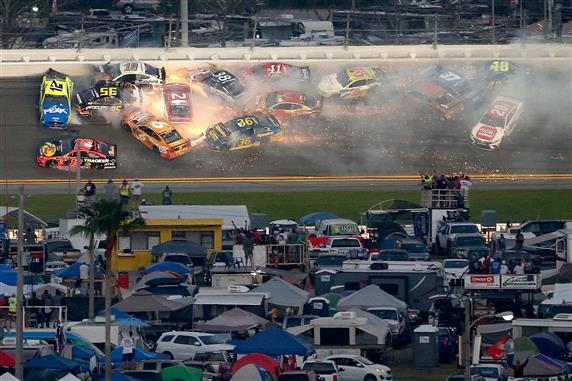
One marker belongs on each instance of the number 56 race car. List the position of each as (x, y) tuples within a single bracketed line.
[(62, 153)]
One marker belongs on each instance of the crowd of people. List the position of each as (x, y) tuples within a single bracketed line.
[(460, 182), (494, 264)]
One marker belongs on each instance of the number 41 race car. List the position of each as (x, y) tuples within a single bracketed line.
[(62, 153)]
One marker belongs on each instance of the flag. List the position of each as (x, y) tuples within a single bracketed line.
[(498, 350)]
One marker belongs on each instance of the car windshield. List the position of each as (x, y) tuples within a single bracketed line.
[(364, 361), (103, 148), (210, 340), (343, 229), (385, 314), (55, 100), (464, 229), (485, 371), (178, 258), (469, 241), (180, 110), (456, 264), (393, 257), (152, 70), (343, 78), (492, 120), (171, 136), (331, 260), (320, 367), (414, 247), (345, 243)]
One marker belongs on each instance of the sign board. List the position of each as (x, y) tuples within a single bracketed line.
[(424, 339), (481, 282), (520, 282)]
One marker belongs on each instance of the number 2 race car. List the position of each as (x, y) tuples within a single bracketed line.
[(177, 99), (55, 100), (156, 134), (62, 153), (283, 104), (244, 132), (499, 121), (107, 95), (355, 82), (276, 71)]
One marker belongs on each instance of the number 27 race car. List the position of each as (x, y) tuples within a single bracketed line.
[(62, 154)]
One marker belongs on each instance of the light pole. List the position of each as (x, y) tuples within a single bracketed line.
[(20, 290), (348, 22), (505, 315), (493, 23), (184, 23)]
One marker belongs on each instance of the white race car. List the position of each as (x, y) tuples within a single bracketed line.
[(499, 121), (136, 73)]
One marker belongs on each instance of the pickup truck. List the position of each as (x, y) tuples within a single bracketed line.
[(448, 230), (342, 246), (394, 318)]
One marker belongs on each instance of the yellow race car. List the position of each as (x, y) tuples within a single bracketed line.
[(355, 82), (55, 100)]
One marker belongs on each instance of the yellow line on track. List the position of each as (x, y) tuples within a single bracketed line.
[(305, 179)]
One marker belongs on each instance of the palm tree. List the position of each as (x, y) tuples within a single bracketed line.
[(107, 217)]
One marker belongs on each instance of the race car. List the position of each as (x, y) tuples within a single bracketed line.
[(55, 100), (62, 153), (220, 83), (356, 82), (243, 132), (177, 100), (499, 121), (284, 104), (107, 95), (277, 71), (497, 72), (437, 98), (137, 73), (156, 134)]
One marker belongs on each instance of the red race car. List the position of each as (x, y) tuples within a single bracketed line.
[(276, 71), (177, 99), (62, 154)]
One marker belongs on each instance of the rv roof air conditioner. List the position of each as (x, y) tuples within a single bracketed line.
[(234, 288), (345, 315)]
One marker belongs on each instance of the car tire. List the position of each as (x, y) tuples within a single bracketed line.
[(369, 377), (127, 9), (169, 354), (52, 164), (125, 126)]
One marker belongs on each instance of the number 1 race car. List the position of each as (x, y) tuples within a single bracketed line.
[(276, 71), (283, 104), (177, 99), (244, 132), (156, 134), (62, 153), (351, 83), (107, 95), (55, 100), (499, 121)]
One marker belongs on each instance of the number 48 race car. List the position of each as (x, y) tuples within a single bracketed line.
[(62, 153)]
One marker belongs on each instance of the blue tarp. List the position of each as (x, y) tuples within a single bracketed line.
[(312, 218), (549, 344), (274, 342), (82, 353), (174, 267), (51, 362), (69, 272), (117, 377), (7, 275), (140, 355), (119, 315)]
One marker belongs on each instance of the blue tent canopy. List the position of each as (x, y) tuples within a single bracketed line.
[(118, 377), (7, 275), (174, 267), (69, 272), (52, 362), (119, 315), (82, 353), (274, 342), (140, 355), (549, 344), (312, 218)]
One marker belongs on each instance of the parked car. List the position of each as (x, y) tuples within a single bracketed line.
[(394, 317), (326, 369), (461, 243), (489, 372), (454, 269), (129, 6), (181, 345), (177, 258), (447, 231), (542, 227), (416, 249), (220, 360), (299, 375), (358, 368), (393, 255)]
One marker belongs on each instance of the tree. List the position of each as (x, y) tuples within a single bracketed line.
[(223, 9), (109, 218)]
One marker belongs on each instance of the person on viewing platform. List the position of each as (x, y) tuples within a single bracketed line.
[(167, 196), (110, 189), (124, 192), (136, 193), (90, 190)]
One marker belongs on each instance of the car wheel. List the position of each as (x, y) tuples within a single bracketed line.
[(169, 354), (128, 9), (369, 377), (124, 126)]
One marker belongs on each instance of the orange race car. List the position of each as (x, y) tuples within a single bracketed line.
[(157, 134)]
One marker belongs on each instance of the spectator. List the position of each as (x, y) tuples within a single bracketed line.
[(502, 243), (167, 196), (519, 269), (504, 268), (12, 308), (83, 276), (496, 266), (110, 189), (511, 265), (124, 192), (29, 236), (465, 185), (136, 192), (127, 346), (33, 310), (519, 245), (518, 368), (248, 247), (89, 191), (47, 302), (509, 348), (58, 301)]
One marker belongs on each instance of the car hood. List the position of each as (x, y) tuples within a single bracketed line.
[(486, 133), (55, 111), (379, 368), (329, 85), (220, 347)]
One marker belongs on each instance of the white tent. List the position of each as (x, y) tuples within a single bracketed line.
[(8, 377), (69, 377)]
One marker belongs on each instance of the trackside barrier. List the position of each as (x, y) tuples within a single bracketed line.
[(24, 62)]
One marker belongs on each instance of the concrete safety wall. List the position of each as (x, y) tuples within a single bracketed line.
[(18, 63)]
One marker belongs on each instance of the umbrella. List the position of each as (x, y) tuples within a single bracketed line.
[(312, 218), (523, 348), (159, 278), (144, 301), (173, 267), (284, 223), (181, 373), (8, 377), (130, 322), (69, 377), (119, 315), (7, 359)]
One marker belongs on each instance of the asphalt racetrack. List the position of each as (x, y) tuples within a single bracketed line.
[(384, 135)]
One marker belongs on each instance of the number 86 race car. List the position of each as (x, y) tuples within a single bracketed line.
[(62, 153)]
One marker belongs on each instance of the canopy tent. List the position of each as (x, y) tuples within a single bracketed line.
[(288, 224), (251, 372), (179, 246), (312, 218), (233, 320), (158, 278), (283, 293), (274, 342), (69, 377), (51, 288), (334, 300), (82, 353), (258, 359), (52, 361), (130, 322), (8, 377), (117, 377), (174, 267), (523, 348), (117, 314), (140, 355), (72, 271), (549, 344), (143, 301), (7, 275), (491, 333), (29, 219), (370, 296), (541, 365), (7, 360), (181, 373)]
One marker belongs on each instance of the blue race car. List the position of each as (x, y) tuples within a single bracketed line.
[(55, 100)]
